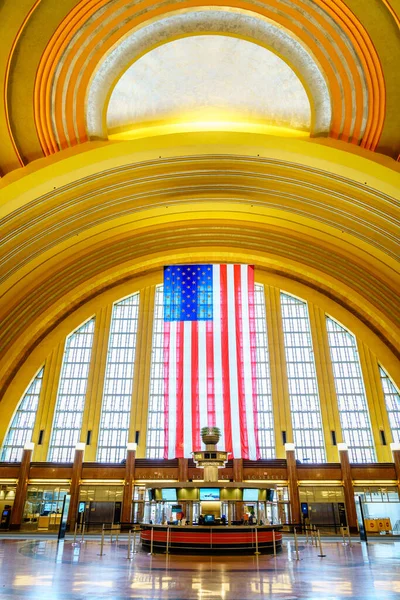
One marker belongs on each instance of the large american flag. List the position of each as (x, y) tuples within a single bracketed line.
[(210, 358)]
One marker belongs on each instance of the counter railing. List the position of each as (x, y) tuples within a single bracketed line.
[(249, 539)]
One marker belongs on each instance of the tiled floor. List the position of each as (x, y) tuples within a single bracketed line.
[(42, 569)]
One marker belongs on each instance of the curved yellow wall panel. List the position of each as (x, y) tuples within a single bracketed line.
[(50, 352), (86, 223)]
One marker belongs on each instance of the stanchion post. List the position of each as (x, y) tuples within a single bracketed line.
[(306, 535), (128, 556), (314, 536), (167, 547), (102, 541), (296, 545), (321, 554), (256, 532), (151, 540), (343, 538), (134, 541), (348, 535), (273, 541), (83, 533), (117, 534), (75, 530), (111, 534)]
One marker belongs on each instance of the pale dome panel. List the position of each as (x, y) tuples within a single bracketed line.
[(206, 78)]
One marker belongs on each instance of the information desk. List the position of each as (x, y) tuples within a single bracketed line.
[(224, 539)]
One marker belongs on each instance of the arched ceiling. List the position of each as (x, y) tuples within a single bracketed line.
[(50, 56), (79, 225), (88, 212)]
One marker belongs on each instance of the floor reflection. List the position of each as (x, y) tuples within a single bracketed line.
[(45, 569)]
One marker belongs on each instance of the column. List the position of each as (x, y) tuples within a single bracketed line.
[(183, 469), (237, 469), (22, 486), (326, 383), (126, 516), (395, 448), (141, 376), (75, 484), (348, 487), (292, 483)]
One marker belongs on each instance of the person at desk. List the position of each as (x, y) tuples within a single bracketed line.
[(201, 520), (223, 520), (246, 518)]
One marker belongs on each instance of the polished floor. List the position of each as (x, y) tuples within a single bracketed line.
[(40, 568)]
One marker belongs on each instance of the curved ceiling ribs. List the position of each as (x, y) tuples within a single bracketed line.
[(328, 30), (101, 226)]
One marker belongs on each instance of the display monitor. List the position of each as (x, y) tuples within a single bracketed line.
[(209, 519), (169, 494), (209, 493), (250, 495)]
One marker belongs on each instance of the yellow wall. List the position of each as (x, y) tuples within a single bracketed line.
[(50, 353)]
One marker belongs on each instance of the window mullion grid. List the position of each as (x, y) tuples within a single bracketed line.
[(21, 428), (392, 401), (118, 381), (302, 380), (350, 392), (71, 394)]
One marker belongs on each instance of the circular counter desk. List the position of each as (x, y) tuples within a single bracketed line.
[(219, 539)]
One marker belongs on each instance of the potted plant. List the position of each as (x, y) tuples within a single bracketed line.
[(210, 435)]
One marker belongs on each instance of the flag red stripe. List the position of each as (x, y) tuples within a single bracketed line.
[(225, 359), (210, 374), (240, 361), (166, 386), (180, 357), (196, 445)]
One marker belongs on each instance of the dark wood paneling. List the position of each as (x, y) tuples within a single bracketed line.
[(196, 474), (152, 474), (373, 471), (93, 471), (316, 472), (9, 470), (50, 471)]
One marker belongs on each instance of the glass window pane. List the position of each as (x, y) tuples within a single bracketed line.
[(118, 381), (352, 402), (21, 427), (302, 380), (71, 394), (392, 400)]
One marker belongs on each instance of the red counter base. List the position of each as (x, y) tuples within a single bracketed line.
[(211, 540)]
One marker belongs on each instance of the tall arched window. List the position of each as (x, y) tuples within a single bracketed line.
[(308, 434), (118, 381), (392, 400), (22, 425), (71, 393), (350, 392), (155, 426)]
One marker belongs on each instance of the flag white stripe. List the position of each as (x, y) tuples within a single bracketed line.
[(172, 391), (202, 358), (187, 388), (248, 385), (233, 372), (218, 395)]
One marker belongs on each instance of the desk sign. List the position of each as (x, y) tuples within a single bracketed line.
[(64, 517)]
